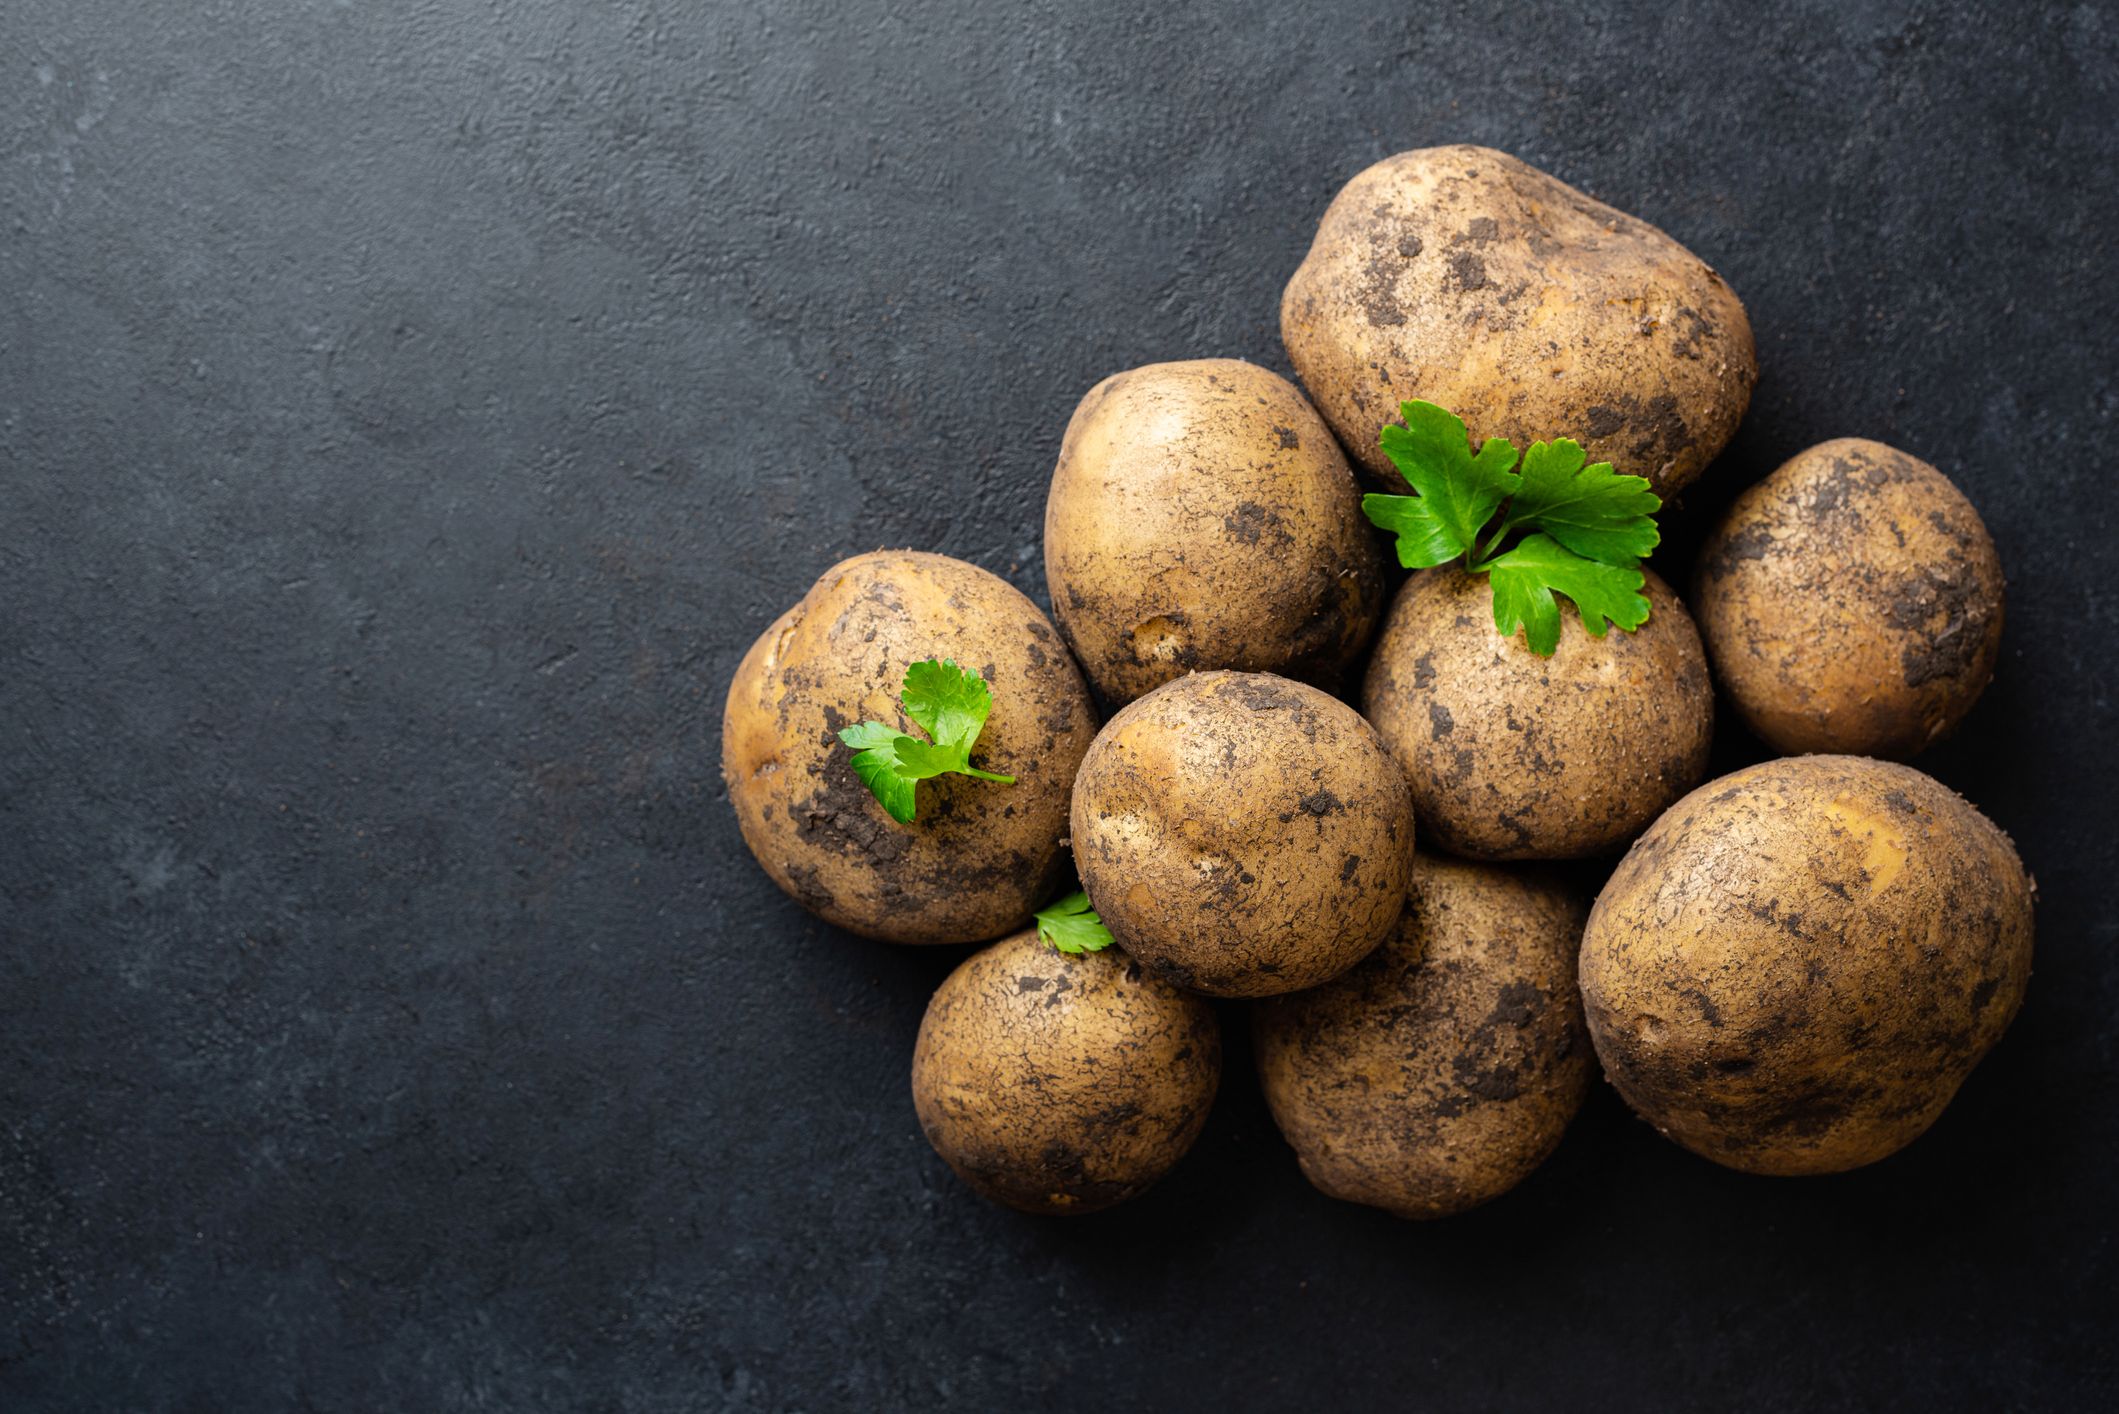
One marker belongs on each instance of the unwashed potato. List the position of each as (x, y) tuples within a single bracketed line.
[(1798, 965), (1444, 1067), (1851, 602), (1062, 1084), (1242, 834), (1513, 756), (978, 856), (1470, 279), (1201, 516)]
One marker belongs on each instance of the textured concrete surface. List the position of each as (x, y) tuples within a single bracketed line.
[(408, 413)]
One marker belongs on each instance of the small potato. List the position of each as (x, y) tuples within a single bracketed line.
[(1201, 516), (1466, 277), (1060, 1084), (1798, 965), (1513, 756), (1242, 834), (978, 856), (1851, 602), (1444, 1067)]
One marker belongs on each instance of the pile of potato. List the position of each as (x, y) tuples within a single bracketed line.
[(1790, 970)]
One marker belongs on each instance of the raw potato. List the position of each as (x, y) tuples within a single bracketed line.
[(1201, 516), (1851, 602), (1513, 756), (1466, 277), (1444, 1067), (1062, 1084), (1795, 969), (1242, 834), (979, 856)]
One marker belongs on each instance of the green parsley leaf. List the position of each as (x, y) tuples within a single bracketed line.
[(1592, 510), (919, 760), (1069, 925), (1584, 529), (1526, 578), (869, 734), (951, 705), (878, 769), (1457, 491)]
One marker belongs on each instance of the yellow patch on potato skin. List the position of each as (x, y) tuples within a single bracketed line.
[(978, 856), (1241, 834), (1202, 517), (1466, 277), (1441, 1070), (1884, 853), (1158, 640), (1062, 1084), (1852, 601), (1797, 966)]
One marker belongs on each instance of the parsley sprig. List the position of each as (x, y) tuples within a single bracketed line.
[(947, 702), (1070, 925), (1583, 528)]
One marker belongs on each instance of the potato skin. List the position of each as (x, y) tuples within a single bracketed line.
[(1798, 965), (979, 856), (1471, 279), (1201, 516), (1243, 835), (1059, 1084), (1513, 756), (1443, 1068), (1851, 602)]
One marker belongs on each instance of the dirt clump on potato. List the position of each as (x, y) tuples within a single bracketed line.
[(1851, 602), (1468, 278), (1062, 1084), (1242, 834), (1444, 1067), (978, 856), (1201, 516), (1796, 967), (1513, 756)]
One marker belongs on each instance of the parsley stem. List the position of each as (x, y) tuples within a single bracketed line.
[(1487, 553), (987, 775)]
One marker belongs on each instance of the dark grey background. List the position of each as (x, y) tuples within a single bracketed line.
[(410, 411)]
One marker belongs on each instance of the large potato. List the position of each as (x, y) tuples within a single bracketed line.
[(1798, 965), (979, 856), (1443, 1068), (1201, 516), (1851, 602), (1062, 1084), (1466, 277), (1513, 756), (1242, 834)]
